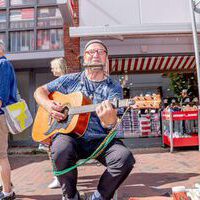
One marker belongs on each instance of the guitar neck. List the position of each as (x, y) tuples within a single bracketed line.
[(92, 107)]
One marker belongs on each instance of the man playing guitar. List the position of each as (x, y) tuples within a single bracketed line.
[(95, 83)]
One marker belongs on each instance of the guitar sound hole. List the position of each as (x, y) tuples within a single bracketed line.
[(62, 124), (65, 112)]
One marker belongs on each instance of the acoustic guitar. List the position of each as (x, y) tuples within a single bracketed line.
[(77, 108)]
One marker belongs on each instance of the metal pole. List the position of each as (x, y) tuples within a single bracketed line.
[(196, 49), (171, 131)]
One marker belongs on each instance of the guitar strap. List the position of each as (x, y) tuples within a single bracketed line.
[(111, 135)]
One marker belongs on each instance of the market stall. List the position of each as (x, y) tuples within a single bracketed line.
[(180, 126), (179, 121)]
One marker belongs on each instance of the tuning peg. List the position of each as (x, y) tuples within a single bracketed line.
[(141, 96), (148, 97)]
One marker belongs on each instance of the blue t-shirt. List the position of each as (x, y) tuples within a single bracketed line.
[(99, 91), (8, 83)]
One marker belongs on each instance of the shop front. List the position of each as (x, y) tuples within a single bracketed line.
[(146, 43), (148, 75)]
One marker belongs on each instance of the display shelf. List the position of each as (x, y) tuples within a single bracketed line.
[(180, 115), (135, 124), (180, 128), (182, 141)]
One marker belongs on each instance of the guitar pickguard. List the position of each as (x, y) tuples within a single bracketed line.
[(59, 125)]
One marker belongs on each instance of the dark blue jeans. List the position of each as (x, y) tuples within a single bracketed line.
[(117, 159)]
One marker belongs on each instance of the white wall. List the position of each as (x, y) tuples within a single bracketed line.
[(139, 12), (165, 11), (133, 12), (112, 12)]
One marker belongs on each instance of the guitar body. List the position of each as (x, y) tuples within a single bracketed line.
[(77, 108), (45, 127)]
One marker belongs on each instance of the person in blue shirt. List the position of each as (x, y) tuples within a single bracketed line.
[(95, 83), (8, 95)]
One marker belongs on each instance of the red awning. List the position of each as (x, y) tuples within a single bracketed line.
[(158, 64)]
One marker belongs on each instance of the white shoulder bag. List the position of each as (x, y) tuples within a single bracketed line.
[(18, 116)]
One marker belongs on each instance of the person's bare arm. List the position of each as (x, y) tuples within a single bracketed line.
[(1, 103), (41, 96)]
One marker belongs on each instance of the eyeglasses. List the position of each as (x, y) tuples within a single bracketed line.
[(91, 52)]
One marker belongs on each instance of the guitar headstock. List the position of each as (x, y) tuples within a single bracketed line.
[(148, 101)]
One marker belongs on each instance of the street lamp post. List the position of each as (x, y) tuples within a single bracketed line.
[(196, 50)]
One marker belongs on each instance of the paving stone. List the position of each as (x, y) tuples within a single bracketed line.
[(152, 178)]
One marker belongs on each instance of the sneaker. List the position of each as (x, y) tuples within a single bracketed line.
[(43, 147), (54, 184), (94, 196), (78, 196), (11, 196), (88, 198)]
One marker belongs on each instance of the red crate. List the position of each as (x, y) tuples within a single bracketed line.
[(182, 142), (180, 115)]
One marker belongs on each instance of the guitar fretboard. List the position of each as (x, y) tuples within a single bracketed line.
[(92, 107)]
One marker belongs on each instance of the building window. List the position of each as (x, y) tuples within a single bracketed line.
[(22, 18), (2, 3), (50, 39), (47, 2), (2, 20), (29, 25), (21, 2), (48, 17), (3, 37), (21, 41)]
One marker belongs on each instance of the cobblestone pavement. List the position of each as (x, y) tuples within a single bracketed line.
[(152, 178)]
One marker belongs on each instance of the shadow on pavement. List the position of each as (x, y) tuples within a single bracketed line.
[(17, 161), (141, 184), (38, 197)]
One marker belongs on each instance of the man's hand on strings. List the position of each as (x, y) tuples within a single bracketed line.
[(107, 114), (55, 110)]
